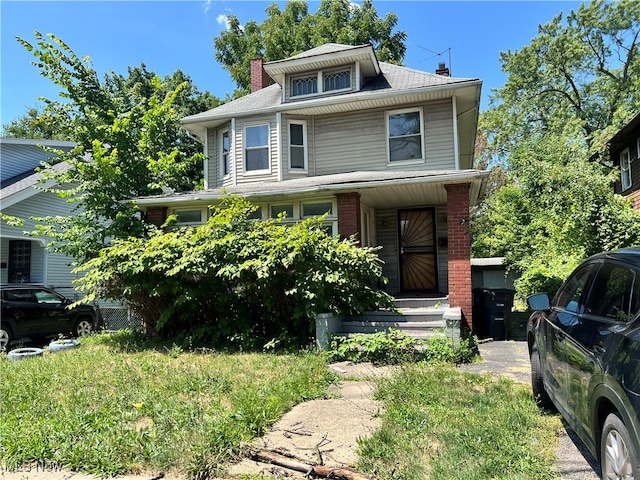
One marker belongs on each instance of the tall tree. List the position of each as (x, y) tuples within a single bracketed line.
[(293, 30), (129, 143), (566, 94)]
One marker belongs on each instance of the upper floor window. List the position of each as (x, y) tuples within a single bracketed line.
[(625, 169), (298, 145), (405, 135), (321, 82), (225, 146), (256, 153), (304, 85), (337, 80)]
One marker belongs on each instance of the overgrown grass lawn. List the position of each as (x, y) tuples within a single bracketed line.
[(441, 423), (110, 406)]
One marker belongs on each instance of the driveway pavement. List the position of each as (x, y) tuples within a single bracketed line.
[(511, 359)]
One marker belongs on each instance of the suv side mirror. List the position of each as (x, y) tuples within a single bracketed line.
[(539, 301)]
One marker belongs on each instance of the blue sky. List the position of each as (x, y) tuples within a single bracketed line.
[(168, 35)]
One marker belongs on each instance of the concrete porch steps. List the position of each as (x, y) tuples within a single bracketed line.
[(418, 317)]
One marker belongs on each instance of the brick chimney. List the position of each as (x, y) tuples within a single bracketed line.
[(259, 78), (442, 70)]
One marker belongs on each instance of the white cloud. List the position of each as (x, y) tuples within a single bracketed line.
[(223, 19), (206, 6)]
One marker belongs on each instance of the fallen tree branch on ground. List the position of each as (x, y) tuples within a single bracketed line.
[(322, 471)]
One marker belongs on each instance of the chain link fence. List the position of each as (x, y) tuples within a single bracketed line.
[(115, 316)]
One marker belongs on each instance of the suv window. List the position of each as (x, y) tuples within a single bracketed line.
[(610, 295), (43, 296), (568, 298), (17, 296)]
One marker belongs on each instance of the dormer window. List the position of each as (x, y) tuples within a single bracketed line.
[(304, 86), (321, 82)]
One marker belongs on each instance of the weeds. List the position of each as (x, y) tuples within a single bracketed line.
[(395, 347)]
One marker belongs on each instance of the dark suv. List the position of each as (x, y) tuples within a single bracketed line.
[(585, 357), (37, 312)]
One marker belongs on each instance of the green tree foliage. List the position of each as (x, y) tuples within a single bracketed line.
[(35, 123), (129, 143), (293, 30), (566, 94), (238, 281)]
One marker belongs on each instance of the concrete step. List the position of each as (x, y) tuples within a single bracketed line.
[(422, 302)]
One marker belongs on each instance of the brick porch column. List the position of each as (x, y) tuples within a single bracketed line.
[(157, 215), (349, 220), (460, 291)]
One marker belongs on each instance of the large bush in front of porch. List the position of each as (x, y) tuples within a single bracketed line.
[(238, 281)]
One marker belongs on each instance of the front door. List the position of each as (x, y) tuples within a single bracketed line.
[(19, 261), (418, 265)]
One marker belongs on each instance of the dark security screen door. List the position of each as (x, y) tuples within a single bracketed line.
[(418, 266)]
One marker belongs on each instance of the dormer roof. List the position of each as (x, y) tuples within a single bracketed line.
[(325, 56)]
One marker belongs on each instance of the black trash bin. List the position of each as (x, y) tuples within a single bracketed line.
[(492, 312)]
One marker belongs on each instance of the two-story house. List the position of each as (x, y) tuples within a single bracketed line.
[(386, 151), (624, 152)]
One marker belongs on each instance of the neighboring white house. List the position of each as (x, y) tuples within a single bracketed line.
[(26, 259), (387, 151)]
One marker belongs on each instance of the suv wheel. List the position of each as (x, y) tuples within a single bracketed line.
[(83, 327), (540, 394), (617, 457), (5, 337)]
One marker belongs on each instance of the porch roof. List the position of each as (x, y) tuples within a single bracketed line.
[(377, 189)]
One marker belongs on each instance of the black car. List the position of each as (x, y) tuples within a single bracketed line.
[(585, 357), (37, 312)]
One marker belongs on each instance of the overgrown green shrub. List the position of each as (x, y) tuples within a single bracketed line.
[(238, 281), (394, 347)]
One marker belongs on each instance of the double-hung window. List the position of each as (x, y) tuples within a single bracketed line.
[(625, 169), (298, 145), (256, 153), (405, 135), (225, 147)]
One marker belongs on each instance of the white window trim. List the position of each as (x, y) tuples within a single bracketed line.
[(625, 153), (306, 95), (244, 149), (305, 145), (338, 70), (222, 174), (203, 215), (413, 161)]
